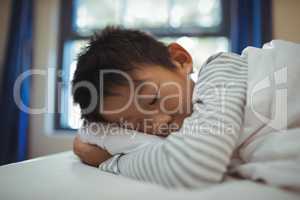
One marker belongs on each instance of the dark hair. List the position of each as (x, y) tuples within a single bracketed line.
[(113, 48)]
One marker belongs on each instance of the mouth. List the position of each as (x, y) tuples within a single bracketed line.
[(162, 129), (158, 129), (166, 129)]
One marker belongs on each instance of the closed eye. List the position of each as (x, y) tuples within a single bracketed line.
[(153, 101), (156, 97)]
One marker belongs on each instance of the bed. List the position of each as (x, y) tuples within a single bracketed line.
[(63, 176)]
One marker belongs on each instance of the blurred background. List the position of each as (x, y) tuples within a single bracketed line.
[(46, 35)]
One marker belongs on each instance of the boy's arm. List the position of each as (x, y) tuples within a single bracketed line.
[(89, 154), (197, 155)]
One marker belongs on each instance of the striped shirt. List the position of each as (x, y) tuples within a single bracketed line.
[(199, 153)]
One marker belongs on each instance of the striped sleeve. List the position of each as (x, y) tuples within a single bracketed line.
[(198, 155)]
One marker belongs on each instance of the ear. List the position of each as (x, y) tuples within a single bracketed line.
[(181, 58)]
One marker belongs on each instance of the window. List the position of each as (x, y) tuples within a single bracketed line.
[(201, 26)]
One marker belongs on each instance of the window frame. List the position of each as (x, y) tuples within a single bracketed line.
[(67, 34)]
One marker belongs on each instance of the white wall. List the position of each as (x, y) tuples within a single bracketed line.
[(286, 20), (4, 24), (43, 139)]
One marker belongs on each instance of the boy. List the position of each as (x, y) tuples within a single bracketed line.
[(128, 76)]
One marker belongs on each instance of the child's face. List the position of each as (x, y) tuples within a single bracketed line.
[(156, 100)]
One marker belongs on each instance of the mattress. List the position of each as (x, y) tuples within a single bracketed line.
[(63, 176)]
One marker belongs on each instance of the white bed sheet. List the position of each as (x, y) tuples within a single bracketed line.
[(63, 176)]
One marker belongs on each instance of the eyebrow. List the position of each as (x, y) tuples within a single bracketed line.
[(143, 88), (137, 83)]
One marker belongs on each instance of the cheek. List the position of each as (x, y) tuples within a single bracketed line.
[(171, 100)]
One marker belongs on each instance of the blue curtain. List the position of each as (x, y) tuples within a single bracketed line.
[(18, 59), (251, 23)]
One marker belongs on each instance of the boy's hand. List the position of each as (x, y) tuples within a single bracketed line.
[(89, 154)]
